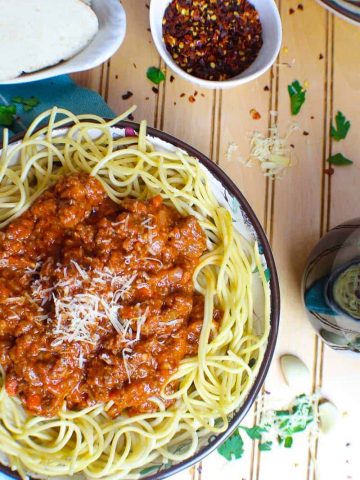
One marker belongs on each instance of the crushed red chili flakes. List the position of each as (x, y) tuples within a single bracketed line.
[(127, 95), (255, 115), (212, 39)]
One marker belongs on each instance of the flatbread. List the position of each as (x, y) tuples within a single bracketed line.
[(35, 34)]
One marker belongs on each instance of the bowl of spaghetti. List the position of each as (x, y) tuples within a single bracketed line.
[(139, 301)]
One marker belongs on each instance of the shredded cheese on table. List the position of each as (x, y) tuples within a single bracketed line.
[(272, 152)]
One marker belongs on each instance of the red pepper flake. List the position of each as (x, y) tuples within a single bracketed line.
[(300, 7), (212, 39), (291, 11), (255, 115), (182, 95), (127, 95), (155, 90), (306, 133), (192, 99), (172, 78), (321, 56), (196, 93), (266, 88)]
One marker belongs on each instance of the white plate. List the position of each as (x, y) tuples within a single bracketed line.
[(111, 34)]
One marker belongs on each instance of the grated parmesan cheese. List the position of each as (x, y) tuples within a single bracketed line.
[(272, 152), (126, 355)]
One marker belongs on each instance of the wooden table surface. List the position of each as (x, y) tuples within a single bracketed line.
[(295, 211)]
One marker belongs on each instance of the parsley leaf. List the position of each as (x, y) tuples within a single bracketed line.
[(267, 274), (297, 96), (342, 127), (233, 447), (155, 75), (7, 113), (151, 469), (288, 442), (339, 160), (28, 103), (265, 447), (254, 432)]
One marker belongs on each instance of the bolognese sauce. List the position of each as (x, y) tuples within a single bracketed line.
[(97, 300)]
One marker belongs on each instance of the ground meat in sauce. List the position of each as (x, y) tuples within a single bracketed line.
[(76, 252)]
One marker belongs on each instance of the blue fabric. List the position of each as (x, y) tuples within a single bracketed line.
[(59, 91)]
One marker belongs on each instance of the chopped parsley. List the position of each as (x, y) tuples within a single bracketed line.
[(280, 425), (288, 442), (254, 432), (342, 127), (233, 447), (7, 114), (265, 447), (155, 75), (297, 96), (28, 103), (339, 160)]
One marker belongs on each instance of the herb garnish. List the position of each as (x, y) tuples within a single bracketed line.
[(233, 447), (342, 127), (28, 103), (7, 114), (297, 96), (265, 447), (339, 160), (254, 432), (155, 75), (280, 425)]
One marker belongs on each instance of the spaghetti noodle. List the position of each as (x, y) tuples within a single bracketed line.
[(212, 384)]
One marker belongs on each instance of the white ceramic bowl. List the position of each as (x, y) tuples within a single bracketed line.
[(112, 29), (272, 37)]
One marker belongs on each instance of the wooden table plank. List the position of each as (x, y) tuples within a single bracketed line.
[(127, 70), (338, 381), (181, 116), (296, 216)]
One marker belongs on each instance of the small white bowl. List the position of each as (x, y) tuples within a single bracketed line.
[(272, 37), (111, 34)]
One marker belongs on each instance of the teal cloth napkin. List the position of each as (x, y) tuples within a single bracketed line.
[(59, 91)]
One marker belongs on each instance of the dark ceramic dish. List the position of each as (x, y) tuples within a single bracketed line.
[(275, 304)]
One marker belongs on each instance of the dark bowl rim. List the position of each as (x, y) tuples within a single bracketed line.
[(339, 9), (274, 298)]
